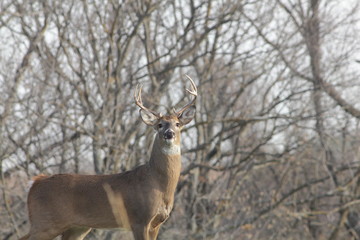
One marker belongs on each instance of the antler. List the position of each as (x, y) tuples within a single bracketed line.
[(193, 92), (138, 101)]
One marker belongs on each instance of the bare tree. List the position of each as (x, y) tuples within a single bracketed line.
[(273, 152)]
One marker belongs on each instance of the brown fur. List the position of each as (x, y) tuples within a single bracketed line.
[(39, 177)]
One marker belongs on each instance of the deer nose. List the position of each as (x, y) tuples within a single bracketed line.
[(169, 134)]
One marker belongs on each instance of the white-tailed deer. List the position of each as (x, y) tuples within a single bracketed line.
[(140, 200)]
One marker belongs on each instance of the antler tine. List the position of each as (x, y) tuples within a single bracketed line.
[(138, 100), (193, 92)]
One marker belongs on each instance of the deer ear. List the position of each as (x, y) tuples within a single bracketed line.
[(148, 117), (187, 115)]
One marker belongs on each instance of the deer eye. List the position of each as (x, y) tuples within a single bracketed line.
[(160, 125), (178, 124)]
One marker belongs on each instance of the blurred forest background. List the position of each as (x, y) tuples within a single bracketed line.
[(274, 151)]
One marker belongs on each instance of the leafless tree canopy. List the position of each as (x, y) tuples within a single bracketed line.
[(274, 150)]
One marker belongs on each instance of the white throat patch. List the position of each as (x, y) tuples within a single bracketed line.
[(172, 149)]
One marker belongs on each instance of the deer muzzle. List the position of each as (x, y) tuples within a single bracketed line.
[(169, 134)]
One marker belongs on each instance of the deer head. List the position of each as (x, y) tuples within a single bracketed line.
[(169, 126)]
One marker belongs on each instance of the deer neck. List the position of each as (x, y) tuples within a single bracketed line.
[(165, 162)]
